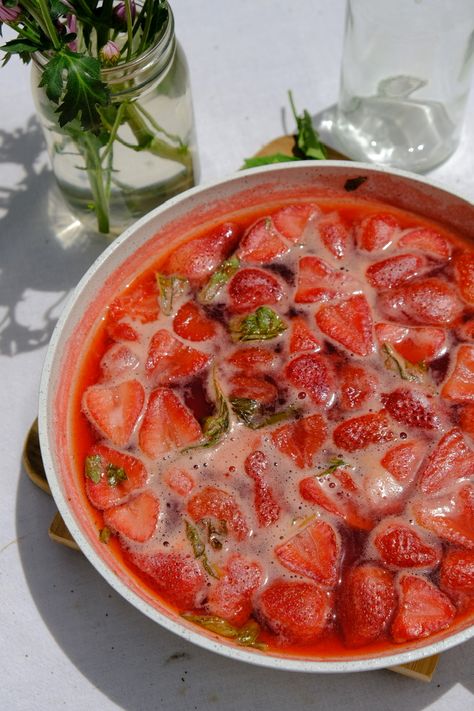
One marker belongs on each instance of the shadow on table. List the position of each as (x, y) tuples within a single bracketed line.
[(140, 666), (43, 249)]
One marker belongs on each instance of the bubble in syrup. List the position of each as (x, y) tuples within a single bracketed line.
[(301, 395), (403, 435)]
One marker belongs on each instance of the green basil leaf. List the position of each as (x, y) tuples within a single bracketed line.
[(246, 635), (215, 426), (220, 277), (105, 534), (169, 288), (253, 415), (334, 464), (261, 325), (307, 138), (268, 160), (115, 474), (93, 468), (406, 370), (199, 549)]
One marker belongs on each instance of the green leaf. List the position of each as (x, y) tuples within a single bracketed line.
[(268, 160), (104, 534), (246, 635), (307, 138), (215, 533), (220, 277), (199, 549), (169, 287), (215, 426), (406, 370), (93, 468), (115, 474), (261, 325), (252, 413), (21, 46), (334, 464)]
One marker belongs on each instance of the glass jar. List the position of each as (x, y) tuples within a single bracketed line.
[(146, 152)]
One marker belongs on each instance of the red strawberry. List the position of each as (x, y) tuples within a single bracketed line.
[(313, 374), (449, 516), (465, 331), (403, 460), (179, 480), (394, 270), (198, 258), (376, 232), (464, 275), (301, 337), (136, 518), (119, 361), (427, 240), (139, 302), (179, 578), (168, 360), (295, 611), (250, 288), (466, 419), (318, 281), (290, 221), (192, 324), (412, 408), (301, 440), (338, 494), (219, 504), (417, 344), (400, 545), (253, 388), (360, 432), (357, 385), (422, 609), (252, 359), (261, 243), (457, 571), (121, 331), (167, 424), (268, 510), (367, 602), (451, 459), (104, 494), (314, 552), (383, 493), (114, 409), (430, 301), (334, 234), (348, 323), (459, 387), (231, 596)]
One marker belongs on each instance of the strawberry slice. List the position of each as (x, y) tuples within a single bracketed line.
[(192, 324), (219, 504), (167, 424), (301, 440), (139, 302), (334, 234), (457, 571), (339, 495), (357, 385), (451, 460), (302, 337), (177, 577), (464, 275), (121, 331), (417, 344), (251, 288), (466, 419), (291, 221), (402, 546), (114, 409), (376, 232), (253, 388), (318, 281), (295, 611), (449, 516), (367, 602), (428, 241), (394, 270), (179, 480), (261, 243), (251, 359), (231, 596), (403, 460), (349, 323), (411, 407), (383, 493), (267, 508), (465, 331), (459, 387), (314, 552), (107, 492), (430, 301), (169, 360), (360, 432), (422, 609), (198, 258), (136, 518), (312, 373), (119, 361)]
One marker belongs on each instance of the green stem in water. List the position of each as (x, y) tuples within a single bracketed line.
[(97, 183)]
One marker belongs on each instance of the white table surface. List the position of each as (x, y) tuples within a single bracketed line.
[(67, 640)]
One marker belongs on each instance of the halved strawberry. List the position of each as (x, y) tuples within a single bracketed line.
[(192, 324), (338, 494), (231, 596), (167, 424), (459, 387), (457, 571), (251, 288), (261, 243), (139, 302), (403, 460), (291, 220), (136, 518), (108, 490), (360, 432), (121, 331), (313, 374), (198, 258), (430, 301), (251, 359), (449, 516), (465, 330), (334, 234), (394, 270), (302, 337), (219, 504), (295, 611), (466, 418), (367, 602), (179, 480), (318, 281), (119, 361), (450, 460), (422, 609), (427, 240), (400, 545), (314, 552), (114, 409), (417, 344), (411, 407), (376, 232), (357, 385), (266, 506), (301, 440), (253, 388), (348, 323), (383, 493), (464, 275), (169, 360)]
